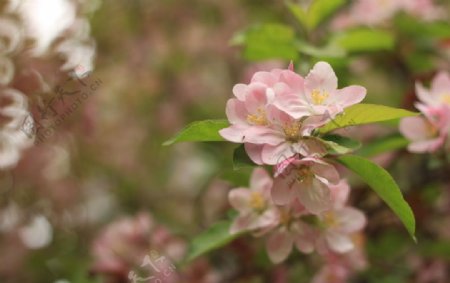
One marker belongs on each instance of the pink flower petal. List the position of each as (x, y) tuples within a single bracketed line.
[(234, 133), (279, 246), (350, 219), (440, 83), (305, 237), (273, 155), (321, 77), (265, 78), (260, 179), (293, 104), (315, 196), (424, 95), (340, 193), (282, 190), (240, 91), (240, 199), (326, 171), (350, 95), (242, 223), (263, 135), (236, 112), (254, 152), (339, 242), (415, 128), (427, 145), (256, 98)]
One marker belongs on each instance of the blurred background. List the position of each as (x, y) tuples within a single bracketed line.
[(91, 89)]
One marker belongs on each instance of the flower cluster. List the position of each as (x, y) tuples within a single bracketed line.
[(276, 113), (327, 231), (304, 205), (429, 132)]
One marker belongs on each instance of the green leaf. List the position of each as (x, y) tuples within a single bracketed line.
[(385, 144), (215, 237), (384, 185), (322, 9), (241, 159), (364, 40), (320, 52), (360, 114), (316, 13), (337, 144), (298, 13), (411, 26), (270, 41), (200, 131), (436, 249)]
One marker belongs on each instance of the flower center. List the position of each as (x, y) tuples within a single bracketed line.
[(445, 98), (319, 97), (329, 219), (259, 118), (292, 131), (257, 201), (285, 217), (304, 173)]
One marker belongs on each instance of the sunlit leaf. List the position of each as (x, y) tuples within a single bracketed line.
[(318, 11), (364, 39), (270, 41), (382, 145), (337, 144), (360, 114), (200, 131)]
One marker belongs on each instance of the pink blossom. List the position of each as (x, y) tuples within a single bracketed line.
[(307, 180), (292, 232), (123, 246), (332, 273), (340, 267), (338, 225), (256, 209), (439, 92), (429, 133), (269, 134), (320, 95)]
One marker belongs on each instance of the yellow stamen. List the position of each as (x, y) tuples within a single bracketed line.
[(329, 219), (304, 173), (445, 98), (319, 97), (257, 201), (259, 118), (285, 217), (292, 131)]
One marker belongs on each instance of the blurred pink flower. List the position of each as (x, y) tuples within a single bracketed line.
[(439, 92), (292, 231), (307, 180), (429, 132), (256, 209), (339, 223), (339, 267), (338, 226), (16, 127), (123, 245)]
